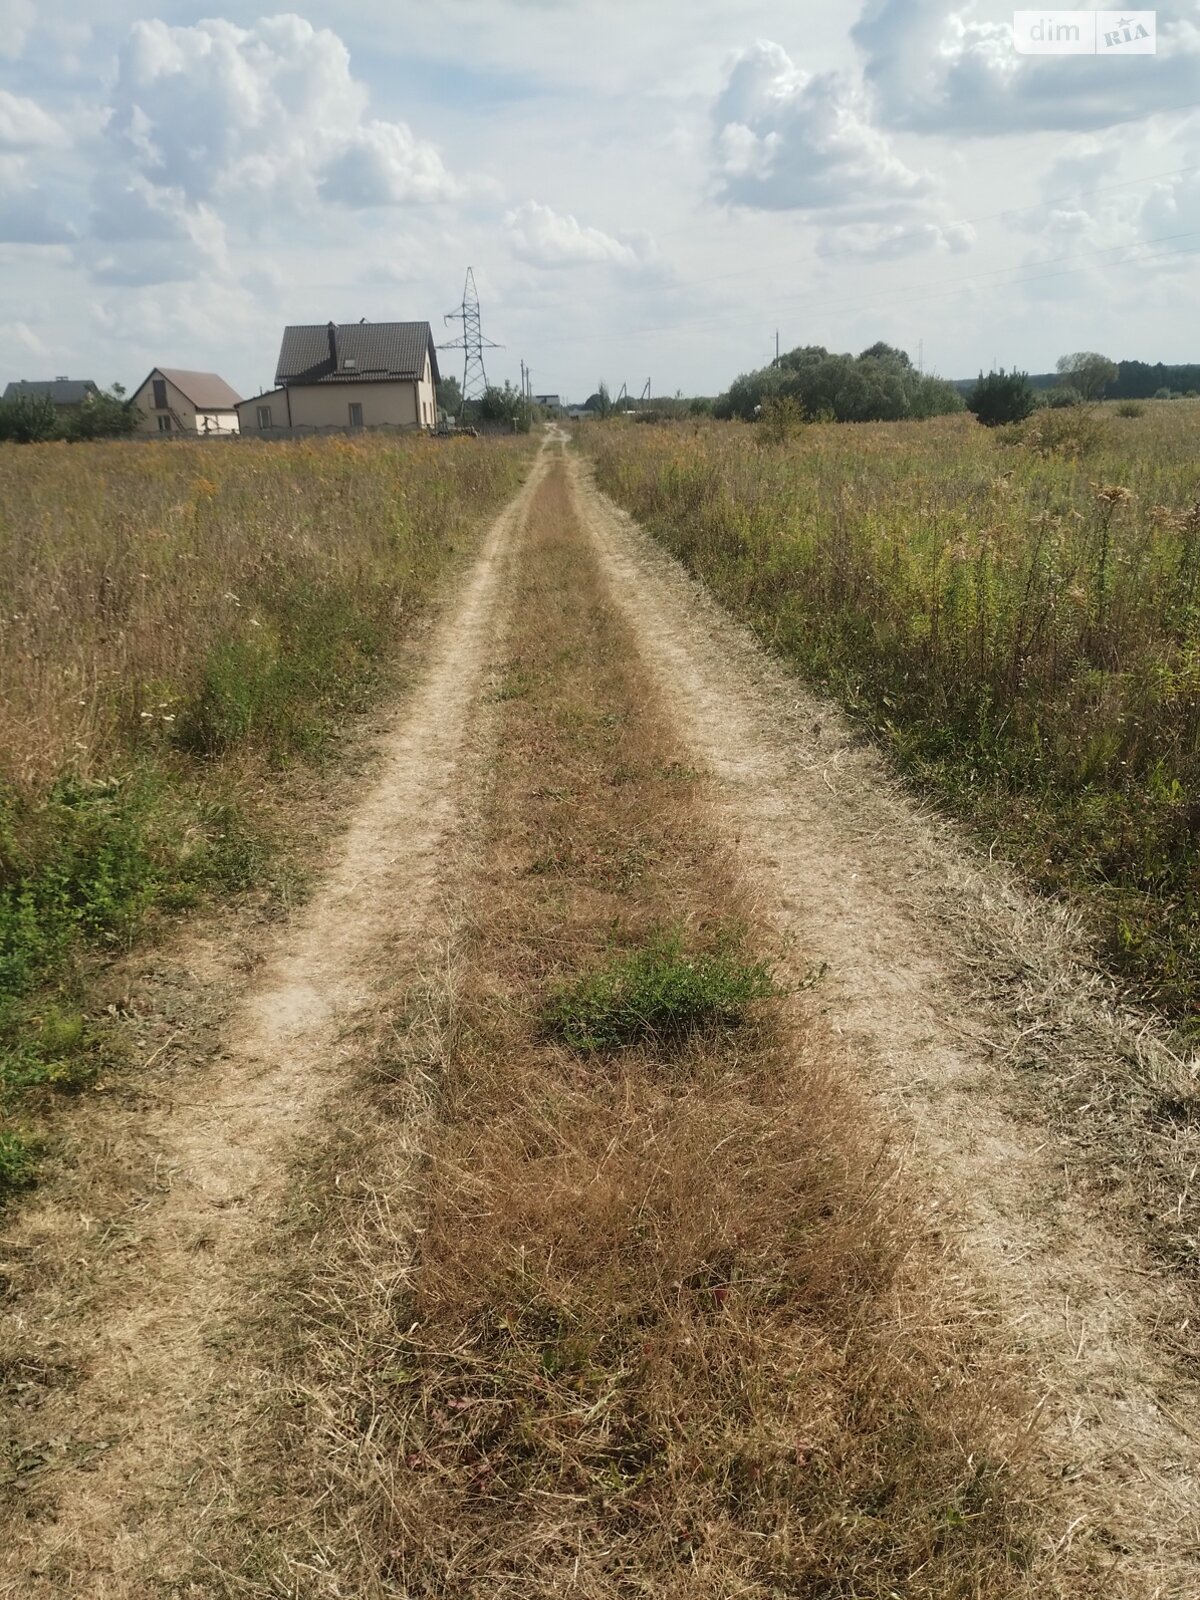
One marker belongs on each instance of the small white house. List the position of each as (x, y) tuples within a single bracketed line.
[(196, 404)]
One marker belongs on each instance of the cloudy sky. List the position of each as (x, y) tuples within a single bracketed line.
[(645, 190)]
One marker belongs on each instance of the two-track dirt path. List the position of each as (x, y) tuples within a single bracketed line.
[(852, 875)]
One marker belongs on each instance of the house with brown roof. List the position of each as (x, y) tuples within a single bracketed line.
[(196, 404), (359, 375)]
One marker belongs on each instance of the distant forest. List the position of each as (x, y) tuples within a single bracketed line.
[(1136, 380)]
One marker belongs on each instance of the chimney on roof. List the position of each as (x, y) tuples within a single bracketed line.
[(332, 331), (62, 378)]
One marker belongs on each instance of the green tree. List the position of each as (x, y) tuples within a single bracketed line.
[(505, 405), (886, 352), (29, 419), (881, 385), (449, 396), (1087, 371), (1002, 397), (1064, 396), (104, 416)]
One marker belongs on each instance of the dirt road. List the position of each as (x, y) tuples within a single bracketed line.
[(125, 1358)]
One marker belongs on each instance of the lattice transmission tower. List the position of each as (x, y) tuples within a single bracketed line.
[(471, 342)]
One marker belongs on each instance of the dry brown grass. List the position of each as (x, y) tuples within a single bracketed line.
[(122, 568), (654, 1322)]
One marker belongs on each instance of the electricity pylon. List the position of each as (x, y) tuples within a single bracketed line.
[(471, 343)]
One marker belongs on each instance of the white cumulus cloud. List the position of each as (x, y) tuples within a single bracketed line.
[(890, 241), (549, 238), (385, 164), (269, 112), (786, 139), (25, 126)]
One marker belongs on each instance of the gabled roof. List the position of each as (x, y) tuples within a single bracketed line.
[(63, 391), (205, 390), (267, 394), (375, 352)]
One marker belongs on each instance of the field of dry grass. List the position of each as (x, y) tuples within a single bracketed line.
[(180, 626), (1015, 614)]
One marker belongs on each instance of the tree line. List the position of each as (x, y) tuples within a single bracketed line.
[(882, 385), (879, 385)]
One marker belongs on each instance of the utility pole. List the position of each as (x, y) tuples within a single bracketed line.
[(471, 342), (921, 356)]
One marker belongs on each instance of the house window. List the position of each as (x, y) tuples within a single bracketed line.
[(164, 424), (160, 394), (356, 416), (264, 416)]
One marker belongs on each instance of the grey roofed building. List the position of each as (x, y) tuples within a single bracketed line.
[(356, 352), (62, 391)]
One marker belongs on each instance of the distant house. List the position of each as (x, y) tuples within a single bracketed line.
[(591, 407), (551, 403), (197, 404), (68, 394), (360, 375)]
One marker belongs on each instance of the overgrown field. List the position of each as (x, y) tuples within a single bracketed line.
[(176, 626), (1015, 614)]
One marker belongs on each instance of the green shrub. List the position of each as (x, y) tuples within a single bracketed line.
[(1071, 433), (1002, 397), (29, 419), (18, 1162), (779, 418), (1131, 408), (656, 995)]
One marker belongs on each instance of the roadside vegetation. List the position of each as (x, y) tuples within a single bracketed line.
[(1014, 612), (881, 384), (179, 627), (669, 1326)]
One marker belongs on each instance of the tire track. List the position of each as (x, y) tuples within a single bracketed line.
[(852, 874), (162, 1360)]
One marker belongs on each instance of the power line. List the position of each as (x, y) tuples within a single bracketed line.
[(471, 342)]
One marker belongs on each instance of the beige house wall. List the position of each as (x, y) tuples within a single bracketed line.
[(182, 414), (399, 404), (276, 403)]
